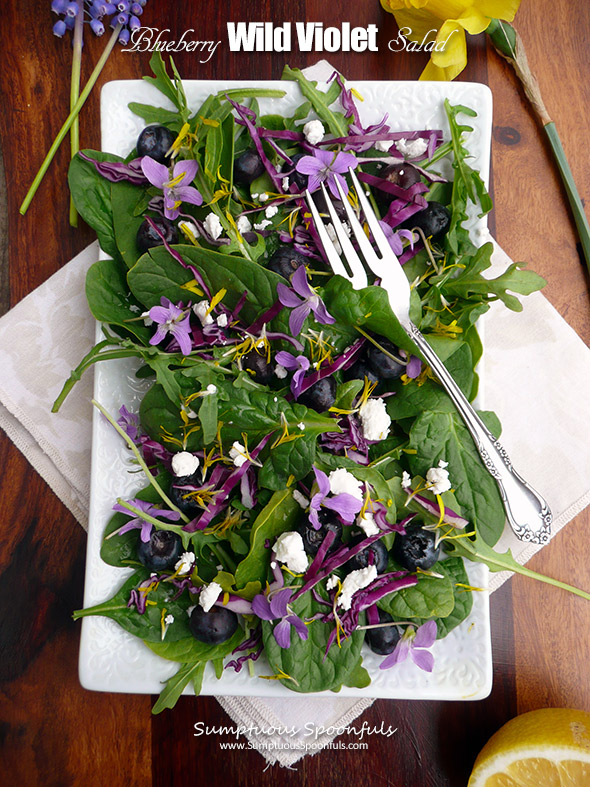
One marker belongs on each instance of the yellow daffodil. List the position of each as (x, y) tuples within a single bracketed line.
[(447, 20)]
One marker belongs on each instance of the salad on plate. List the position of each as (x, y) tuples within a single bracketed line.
[(309, 493)]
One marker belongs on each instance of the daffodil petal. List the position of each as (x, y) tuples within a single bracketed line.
[(473, 21), (498, 9), (454, 53), (419, 22)]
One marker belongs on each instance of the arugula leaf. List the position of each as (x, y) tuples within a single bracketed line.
[(177, 684), (320, 101), (465, 175), (157, 115), (172, 90)]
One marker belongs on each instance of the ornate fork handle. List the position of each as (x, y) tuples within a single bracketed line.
[(528, 514)]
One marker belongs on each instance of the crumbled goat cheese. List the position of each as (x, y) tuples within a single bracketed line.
[(201, 309), (169, 620), (244, 224), (263, 197), (222, 321), (211, 389), (184, 463), (314, 131), (262, 225), (438, 479), (356, 580), (374, 419), (341, 481), (238, 453), (213, 225), (271, 211), (412, 148), (209, 595), (280, 371), (406, 480), (147, 320), (299, 498), (367, 523), (285, 184), (189, 228), (301, 425), (332, 582), (289, 549), (383, 145), (185, 564)]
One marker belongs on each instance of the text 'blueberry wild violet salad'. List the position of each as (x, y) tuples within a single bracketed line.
[(310, 489)]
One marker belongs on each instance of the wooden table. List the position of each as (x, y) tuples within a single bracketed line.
[(56, 733)]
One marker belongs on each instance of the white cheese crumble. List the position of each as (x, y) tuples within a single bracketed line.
[(343, 482), (262, 225), (271, 211), (301, 425), (211, 389), (383, 145), (332, 582), (184, 463), (185, 564), (273, 565), (213, 225), (374, 419), (406, 480), (244, 225), (289, 549), (412, 148), (169, 620), (280, 371), (201, 310), (356, 580), (209, 595), (263, 197), (147, 320), (222, 321), (367, 524), (189, 228), (285, 184), (438, 479), (238, 454), (300, 498), (314, 131)]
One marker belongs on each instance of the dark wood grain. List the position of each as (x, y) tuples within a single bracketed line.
[(54, 732)]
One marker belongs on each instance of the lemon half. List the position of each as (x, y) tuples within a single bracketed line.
[(549, 747)]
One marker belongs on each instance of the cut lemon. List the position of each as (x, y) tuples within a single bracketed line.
[(549, 747)]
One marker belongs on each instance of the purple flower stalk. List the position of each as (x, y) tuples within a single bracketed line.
[(298, 364), (174, 320), (141, 524), (344, 504), (326, 166), (414, 643), (311, 302), (276, 605), (176, 188)]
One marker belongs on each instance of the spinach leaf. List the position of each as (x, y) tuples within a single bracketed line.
[(109, 298), (125, 198), (305, 662), (431, 597), (359, 678), (455, 568), (189, 649), (279, 515), (293, 458), (436, 436)]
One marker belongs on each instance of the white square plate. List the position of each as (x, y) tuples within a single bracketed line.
[(111, 659)]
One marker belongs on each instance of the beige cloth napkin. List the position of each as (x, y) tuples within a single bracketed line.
[(46, 334)]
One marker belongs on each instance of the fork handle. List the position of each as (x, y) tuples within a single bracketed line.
[(527, 511)]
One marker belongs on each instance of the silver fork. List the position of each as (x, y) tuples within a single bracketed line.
[(527, 512)]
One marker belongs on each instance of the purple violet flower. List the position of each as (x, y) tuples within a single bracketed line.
[(395, 238), (172, 319), (298, 364), (327, 166), (176, 186), (141, 524), (414, 643), (311, 302), (129, 423), (344, 504), (276, 605)]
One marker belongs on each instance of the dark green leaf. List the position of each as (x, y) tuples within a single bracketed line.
[(177, 684), (109, 298)]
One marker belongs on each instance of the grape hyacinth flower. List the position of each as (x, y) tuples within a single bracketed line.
[(344, 504), (141, 524), (414, 643), (326, 166), (289, 296), (176, 188), (276, 605), (174, 320)]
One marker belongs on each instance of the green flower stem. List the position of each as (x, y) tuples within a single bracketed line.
[(570, 188), (223, 557), (69, 121), (148, 518), (151, 478), (74, 96)]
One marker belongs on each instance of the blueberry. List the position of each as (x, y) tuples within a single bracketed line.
[(147, 237), (373, 555), (256, 363), (415, 549), (385, 367), (213, 627), (248, 167), (383, 640), (434, 221), (312, 538), (298, 178), (402, 174), (187, 505), (162, 551), (320, 396), (155, 142), (359, 370), (286, 260)]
